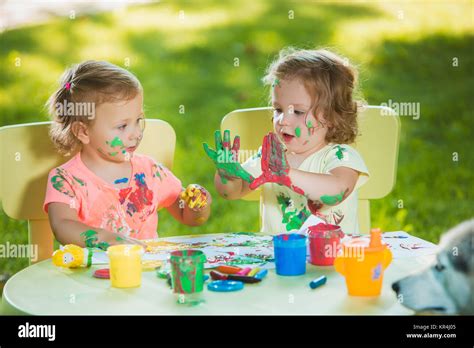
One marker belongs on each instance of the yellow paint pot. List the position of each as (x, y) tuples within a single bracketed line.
[(125, 265)]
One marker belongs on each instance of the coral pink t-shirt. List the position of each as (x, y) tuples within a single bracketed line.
[(131, 211)]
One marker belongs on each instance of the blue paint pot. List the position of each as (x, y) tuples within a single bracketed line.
[(290, 254)]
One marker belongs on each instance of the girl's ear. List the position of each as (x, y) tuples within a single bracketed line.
[(322, 120), (81, 132)]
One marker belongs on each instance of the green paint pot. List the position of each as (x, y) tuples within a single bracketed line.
[(187, 274)]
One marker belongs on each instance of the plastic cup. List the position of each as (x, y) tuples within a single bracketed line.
[(187, 275), (290, 254), (324, 243), (125, 265), (363, 264)]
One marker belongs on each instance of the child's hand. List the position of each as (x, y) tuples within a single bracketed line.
[(227, 160), (275, 166), (196, 197)]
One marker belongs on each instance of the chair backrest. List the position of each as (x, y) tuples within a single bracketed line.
[(27, 155), (377, 142)]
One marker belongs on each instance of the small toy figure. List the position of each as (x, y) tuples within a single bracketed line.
[(72, 256)]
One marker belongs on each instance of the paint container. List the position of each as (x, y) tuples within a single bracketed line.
[(324, 243), (290, 254), (363, 263), (125, 265), (187, 275)]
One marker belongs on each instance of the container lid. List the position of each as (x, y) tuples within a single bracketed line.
[(289, 240), (323, 230), (188, 254), (225, 285), (125, 249), (374, 244)]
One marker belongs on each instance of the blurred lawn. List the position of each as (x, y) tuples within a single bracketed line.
[(190, 62)]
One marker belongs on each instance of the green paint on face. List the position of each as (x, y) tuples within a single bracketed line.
[(113, 154), (298, 132), (332, 200), (310, 126), (116, 142)]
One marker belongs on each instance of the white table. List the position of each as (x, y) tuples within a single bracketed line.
[(43, 289)]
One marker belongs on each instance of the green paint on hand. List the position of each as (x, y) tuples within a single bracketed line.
[(225, 159), (332, 200), (298, 132), (119, 239), (90, 238), (113, 153), (103, 245)]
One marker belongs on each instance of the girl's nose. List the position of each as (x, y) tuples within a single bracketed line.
[(137, 134), (285, 118)]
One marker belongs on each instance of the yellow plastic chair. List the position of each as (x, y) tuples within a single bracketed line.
[(26, 157), (377, 142)]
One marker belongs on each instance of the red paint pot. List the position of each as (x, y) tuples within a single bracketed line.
[(324, 243)]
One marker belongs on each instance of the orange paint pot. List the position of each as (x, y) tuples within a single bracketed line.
[(363, 262)]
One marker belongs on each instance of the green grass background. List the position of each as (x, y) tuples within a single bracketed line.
[(403, 56)]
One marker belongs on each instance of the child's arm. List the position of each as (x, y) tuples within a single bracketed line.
[(329, 189), (192, 207), (68, 229)]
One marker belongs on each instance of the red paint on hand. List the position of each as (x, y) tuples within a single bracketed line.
[(275, 166)]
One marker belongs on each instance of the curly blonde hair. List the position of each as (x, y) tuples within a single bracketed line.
[(330, 80), (93, 82)]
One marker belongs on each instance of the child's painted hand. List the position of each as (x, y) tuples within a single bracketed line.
[(227, 159), (275, 167), (196, 197)]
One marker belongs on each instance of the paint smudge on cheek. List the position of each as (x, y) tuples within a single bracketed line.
[(310, 128), (298, 132), (116, 142)]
